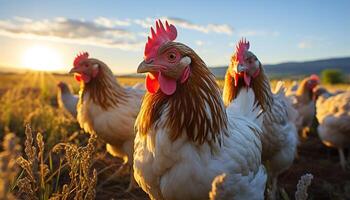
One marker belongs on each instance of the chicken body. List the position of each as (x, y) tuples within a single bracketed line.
[(66, 99), (333, 114), (107, 109), (280, 137), (181, 169), (114, 125), (185, 136)]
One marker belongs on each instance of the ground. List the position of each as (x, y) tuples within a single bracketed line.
[(330, 181)]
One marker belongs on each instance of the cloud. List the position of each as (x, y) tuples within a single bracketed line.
[(111, 23), (145, 23), (199, 42), (304, 45), (100, 32), (252, 33), (208, 28)]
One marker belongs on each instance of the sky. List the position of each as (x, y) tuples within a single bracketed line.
[(51, 33)]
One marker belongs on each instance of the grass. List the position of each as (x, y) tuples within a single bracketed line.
[(53, 159)]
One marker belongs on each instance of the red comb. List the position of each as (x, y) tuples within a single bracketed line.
[(81, 56), (160, 37), (314, 77), (241, 48)]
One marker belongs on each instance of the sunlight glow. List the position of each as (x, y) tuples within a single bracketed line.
[(42, 58)]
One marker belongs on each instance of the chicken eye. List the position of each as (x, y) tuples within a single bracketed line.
[(86, 65), (171, 57)]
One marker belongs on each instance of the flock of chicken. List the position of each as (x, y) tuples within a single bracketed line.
[(183, 132)]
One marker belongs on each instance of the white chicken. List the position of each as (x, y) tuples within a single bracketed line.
[(185, 138), (333, 115), (279, 138), (107, 109), (66, 99)]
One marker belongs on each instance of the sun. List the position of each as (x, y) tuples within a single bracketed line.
[(42, 58)]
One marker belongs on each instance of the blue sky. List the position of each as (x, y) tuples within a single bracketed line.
[(115, 31)]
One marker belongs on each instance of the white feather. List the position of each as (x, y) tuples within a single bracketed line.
[(181, 169)]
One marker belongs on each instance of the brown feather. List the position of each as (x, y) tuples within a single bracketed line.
[(188, 105), (259, 84), (304, 94), (104, 90)]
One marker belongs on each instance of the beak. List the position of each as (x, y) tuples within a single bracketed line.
[(241, 68), (145, 67), (75, 70)]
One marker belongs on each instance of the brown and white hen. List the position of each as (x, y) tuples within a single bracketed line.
[(106, 108), (304, 103), (185, 136), (279, 138)]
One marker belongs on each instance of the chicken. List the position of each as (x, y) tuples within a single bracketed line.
[(66, 99), (185, 137), (305, 105), (279, 138), (333, 114), (107, 109)]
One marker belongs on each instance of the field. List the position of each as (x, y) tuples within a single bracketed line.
[(67, 163)]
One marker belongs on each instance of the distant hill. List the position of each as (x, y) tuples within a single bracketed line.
[(294, 69)]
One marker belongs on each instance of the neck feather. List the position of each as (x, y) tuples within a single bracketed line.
[(259, 84), (104, 90)]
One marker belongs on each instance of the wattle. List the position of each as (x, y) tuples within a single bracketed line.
[(247, 79), (157, 81), (152, 84), (167, 85), (82, 77)]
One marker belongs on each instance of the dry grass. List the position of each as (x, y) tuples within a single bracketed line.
[(8, 167), (40, 178), (59, 161)]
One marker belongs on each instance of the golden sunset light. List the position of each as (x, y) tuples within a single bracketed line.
[(42, 58), (213, 100)]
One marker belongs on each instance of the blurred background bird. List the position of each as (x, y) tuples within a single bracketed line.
[(66, 99), (279, 138), (304, 103), (107, 109), (185, 137), (333, 114)]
